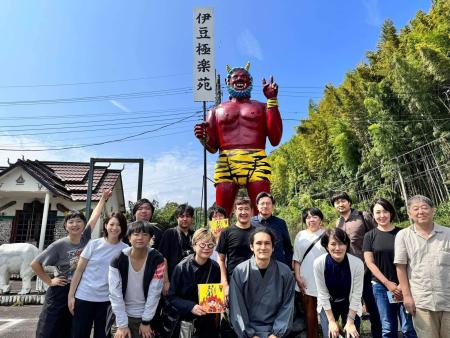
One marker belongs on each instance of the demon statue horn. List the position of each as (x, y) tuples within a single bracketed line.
[(238, 129)]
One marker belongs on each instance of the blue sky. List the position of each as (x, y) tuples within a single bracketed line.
[(125, 67)]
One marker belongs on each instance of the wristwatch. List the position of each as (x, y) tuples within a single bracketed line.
[(145, 322)]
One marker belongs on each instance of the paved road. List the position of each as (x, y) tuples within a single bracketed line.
[(19, 321)]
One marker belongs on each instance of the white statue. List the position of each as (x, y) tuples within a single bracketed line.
[(15, 259)]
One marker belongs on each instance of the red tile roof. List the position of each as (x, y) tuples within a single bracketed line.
[(69, 179)]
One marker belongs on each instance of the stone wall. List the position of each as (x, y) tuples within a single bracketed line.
[(59, 231), (5, 230)]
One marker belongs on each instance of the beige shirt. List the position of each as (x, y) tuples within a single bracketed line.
[(428, 265)]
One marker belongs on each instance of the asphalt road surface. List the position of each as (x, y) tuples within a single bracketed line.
[(19, 321)]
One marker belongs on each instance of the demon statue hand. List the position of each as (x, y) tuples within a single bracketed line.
[(238, 129)]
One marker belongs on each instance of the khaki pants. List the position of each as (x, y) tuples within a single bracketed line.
[(434, 324)]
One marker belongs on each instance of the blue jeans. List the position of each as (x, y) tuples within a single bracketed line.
[(389, 313)]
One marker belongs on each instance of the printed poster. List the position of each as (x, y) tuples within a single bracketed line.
[(211, 297), (217, 225)]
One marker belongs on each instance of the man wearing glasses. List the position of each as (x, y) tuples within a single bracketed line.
[(283, 248)]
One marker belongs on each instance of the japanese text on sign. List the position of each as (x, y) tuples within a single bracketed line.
[(204, 68)]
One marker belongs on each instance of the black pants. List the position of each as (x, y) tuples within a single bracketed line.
[(55, 320), (88, 313), (371, 306)]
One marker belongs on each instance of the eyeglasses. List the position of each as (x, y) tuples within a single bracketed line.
[(204, 245)]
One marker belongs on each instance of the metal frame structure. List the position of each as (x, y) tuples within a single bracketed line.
[(94, 160)]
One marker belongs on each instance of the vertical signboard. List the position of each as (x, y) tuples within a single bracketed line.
[(204, 68)]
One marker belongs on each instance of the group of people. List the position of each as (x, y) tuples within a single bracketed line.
[(138, 281)]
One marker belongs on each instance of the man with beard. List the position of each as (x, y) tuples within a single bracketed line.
[(238, 129)]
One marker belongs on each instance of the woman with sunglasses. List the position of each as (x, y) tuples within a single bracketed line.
[(195, 269)]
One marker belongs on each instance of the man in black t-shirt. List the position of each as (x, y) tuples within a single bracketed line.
[(176, 242), (234, 242)]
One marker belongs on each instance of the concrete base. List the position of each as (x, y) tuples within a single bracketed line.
[(20, 300)]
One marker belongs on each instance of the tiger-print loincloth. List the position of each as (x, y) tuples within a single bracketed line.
[(241, 166)]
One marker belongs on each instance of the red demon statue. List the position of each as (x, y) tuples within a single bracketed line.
[(238, 129)]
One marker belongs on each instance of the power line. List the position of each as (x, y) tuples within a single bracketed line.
[(92, 123), (75, 131), (123, 96), (63, 84), (184, 131), (79, 115), (358, 177), (100, 143)]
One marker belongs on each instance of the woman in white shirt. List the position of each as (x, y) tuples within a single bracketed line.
[(339, 278), (89, 293), (307, 248)]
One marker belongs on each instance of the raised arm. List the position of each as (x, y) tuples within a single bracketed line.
[(274, 122), (97, 212)]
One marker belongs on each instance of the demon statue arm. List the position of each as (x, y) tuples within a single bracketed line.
[(206, 131), (274, 122)]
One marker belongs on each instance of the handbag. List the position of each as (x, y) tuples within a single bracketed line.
[(186, 329)]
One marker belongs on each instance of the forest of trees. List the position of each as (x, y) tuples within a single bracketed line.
[(384, 131)]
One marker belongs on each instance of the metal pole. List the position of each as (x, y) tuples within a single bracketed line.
[(205, 188), (141, 174), (89, 190)]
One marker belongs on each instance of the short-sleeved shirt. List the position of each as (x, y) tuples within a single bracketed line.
[(93, 285), (302, 242), (234, 243), (381, 244), (64, 255), (428, 265)]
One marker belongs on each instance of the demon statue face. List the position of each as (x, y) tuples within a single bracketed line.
[(239, 82)]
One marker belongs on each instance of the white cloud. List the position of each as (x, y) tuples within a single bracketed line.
[(373, 12), (174, 176), (119, 105), (249, 45)]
